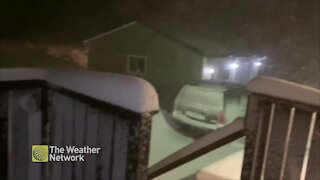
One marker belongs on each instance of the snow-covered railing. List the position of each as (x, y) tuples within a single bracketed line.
[(128, 92), (283, 131), (78, 108), (281, 127), (286, 90)]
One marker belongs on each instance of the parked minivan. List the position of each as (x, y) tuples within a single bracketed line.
[(209, 105)]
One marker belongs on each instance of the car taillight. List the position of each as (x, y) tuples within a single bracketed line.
[(222, 118)]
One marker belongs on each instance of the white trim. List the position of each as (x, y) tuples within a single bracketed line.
[(286, 144), (308, 147), (108, 32), (266, 148), (125, 91)]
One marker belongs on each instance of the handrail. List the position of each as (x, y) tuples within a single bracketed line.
[(201, 146), (128, 92), (285, 90)]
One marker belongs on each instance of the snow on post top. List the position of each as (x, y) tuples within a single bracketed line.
[(127, 92)]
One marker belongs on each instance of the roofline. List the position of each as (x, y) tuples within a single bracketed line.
[(109, 32), (176, 40), (190, 47)]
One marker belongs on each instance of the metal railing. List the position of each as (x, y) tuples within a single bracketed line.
[(80, 108), (282, 126), (113, 111), (282, 134)]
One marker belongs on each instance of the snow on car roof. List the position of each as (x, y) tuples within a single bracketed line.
[(218, 85)]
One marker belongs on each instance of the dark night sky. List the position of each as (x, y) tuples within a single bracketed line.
[(287, 31), (196, 22)]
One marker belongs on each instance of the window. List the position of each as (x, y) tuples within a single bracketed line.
[(224, 75), (136, 64)]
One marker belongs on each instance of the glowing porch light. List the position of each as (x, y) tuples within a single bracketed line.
[(234, 66)]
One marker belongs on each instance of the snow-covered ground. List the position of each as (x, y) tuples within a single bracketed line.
[(165, 141)]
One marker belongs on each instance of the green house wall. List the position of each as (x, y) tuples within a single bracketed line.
[(169, 64)]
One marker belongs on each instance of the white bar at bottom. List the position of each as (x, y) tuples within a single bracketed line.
[(308, 146)]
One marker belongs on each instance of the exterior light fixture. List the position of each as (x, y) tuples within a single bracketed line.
[(257, 63), (234, 66), (211, 70)]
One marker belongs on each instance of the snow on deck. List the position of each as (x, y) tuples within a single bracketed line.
[(285, 90), (128, 92)]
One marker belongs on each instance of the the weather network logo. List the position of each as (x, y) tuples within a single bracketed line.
[(40, 153), (45, 153)]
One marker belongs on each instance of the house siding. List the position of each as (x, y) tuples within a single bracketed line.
[(169, 64)]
